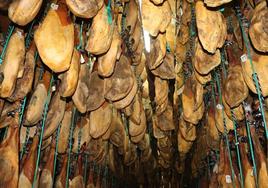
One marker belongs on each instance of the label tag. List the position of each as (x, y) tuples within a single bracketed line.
[(251, 173), (54, 6), (53, 88), (181, 12), (82, 60), (219, 106), (19, 33), (244, 58), (228, 179)]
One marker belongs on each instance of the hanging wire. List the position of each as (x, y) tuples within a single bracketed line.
[(254, 75), (79, 137), (225, 130), (234, 124), (56, 152), (42, 129), (248, 123), (109, 12), (22, 109), (70, 145), (10, 30), (85, 169), (29, 36), (237, 149), (80, 45), (209, 175)]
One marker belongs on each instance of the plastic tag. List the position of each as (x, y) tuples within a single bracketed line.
[(54, 6), (219, 106), (216, 168), (82, 60), (181, 12), (53, 88), (244, 58), (19, 33), (228, 179)]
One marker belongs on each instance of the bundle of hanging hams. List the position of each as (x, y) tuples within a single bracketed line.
[(108, 77)]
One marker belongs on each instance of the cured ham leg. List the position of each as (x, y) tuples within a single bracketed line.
[(46, 178), (27, 174), (25, 83), (90, 183), (61, 179), (260, 159), (9, 156), (249, 181), (35, 108), (78, 181)]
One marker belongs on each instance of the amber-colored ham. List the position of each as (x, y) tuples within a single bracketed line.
[(69, 79), (260, 158), (34, 110), (27, 174), (55, 114), (46, 178), (13, 58), (61, 179), (225, 180), (9, 158), (90, 183), (82, 91), (249, 180), (23, 12), (25, 83), (54, 38), (77, 181), (65, 129)]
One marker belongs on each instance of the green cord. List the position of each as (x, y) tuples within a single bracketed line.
[(257, 86), (42, 129), (79, 47), (225, 131), (79, 138), (56, 153), (252, 154), (85, 169), (70, 145), (25, 142), (21, 117), (29, 35), (234, 124), (9, 33), (109, 12), (237, 150)]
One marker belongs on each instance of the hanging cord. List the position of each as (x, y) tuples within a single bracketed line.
[(22, 109), (56, 153), (209, 175), (29, 36), (254, 75), (79, 138), (187, 66), (10, 30), (237, 149), (234, 124), (225, 130), (70, 145), (85, 169), (109, 12), (42, 129), (248, 124), (80, 45)]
